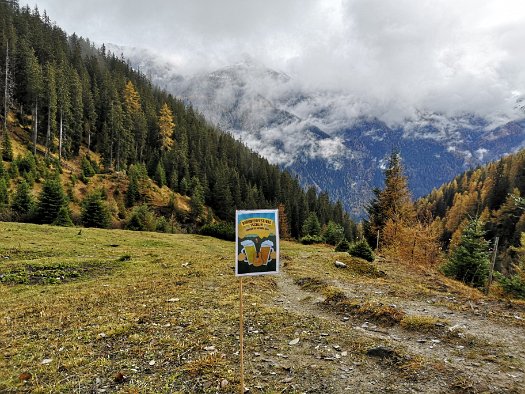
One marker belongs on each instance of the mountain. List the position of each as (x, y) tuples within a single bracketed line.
[(328, 138)]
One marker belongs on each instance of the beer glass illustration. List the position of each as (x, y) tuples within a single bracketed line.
[(266, 252), (249, 251)]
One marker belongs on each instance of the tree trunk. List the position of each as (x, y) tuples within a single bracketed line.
[(48, 135), (60, 139), (6, 90), (35, 130)]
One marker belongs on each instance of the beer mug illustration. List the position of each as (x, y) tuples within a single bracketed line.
[(249, 251), (266, 252)]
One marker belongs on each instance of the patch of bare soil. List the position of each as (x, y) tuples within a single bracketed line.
[(474, 346)]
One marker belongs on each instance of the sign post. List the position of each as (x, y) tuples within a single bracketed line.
[(257, 253)]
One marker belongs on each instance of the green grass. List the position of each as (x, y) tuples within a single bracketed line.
[(143, 305), (133, 312)]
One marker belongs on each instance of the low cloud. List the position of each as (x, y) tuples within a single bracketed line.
[(386, 59)]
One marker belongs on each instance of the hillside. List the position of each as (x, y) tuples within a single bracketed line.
[(493, 192), (334, 139), (69, 106), (127, 312)]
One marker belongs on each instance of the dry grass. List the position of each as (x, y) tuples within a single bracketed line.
[(422, 323), (158, 313)]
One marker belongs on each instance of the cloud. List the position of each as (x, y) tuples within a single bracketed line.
[(389, 58)]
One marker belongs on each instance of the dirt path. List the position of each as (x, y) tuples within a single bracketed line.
[(474, 352)]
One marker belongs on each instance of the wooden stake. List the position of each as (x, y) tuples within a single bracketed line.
[(241, 335)]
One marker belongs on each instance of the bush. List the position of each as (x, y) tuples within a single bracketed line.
[(163, 226), (27, 167), (133, 192), (160, 175), (515, 285), (220, 230), (4, 193), (343, 246), (363, 250), (7, 148), (311, 239)]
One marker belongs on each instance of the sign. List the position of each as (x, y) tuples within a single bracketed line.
[(257, 242)]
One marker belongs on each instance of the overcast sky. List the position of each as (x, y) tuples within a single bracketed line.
[(446, 55)]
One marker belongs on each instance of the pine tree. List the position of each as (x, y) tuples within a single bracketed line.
[(333, 233), (160, 175), (311, 225), (197, 201), (8, 90), (7, 148), (95, 212), (23, 204), (469, 261), (133, 193), (50, 201), (52, 99), (63, 217), (4, 193), (77, 112), (222, 197), (393, 203)]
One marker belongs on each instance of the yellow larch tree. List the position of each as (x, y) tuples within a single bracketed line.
[(166, 126)]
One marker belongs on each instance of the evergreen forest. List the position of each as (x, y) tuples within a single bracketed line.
[(86, 139)]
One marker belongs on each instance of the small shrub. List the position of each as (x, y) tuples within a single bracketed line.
[(363, 250), (163, 225), (514, 285), (221, 230), (311, 239), (421, 323)]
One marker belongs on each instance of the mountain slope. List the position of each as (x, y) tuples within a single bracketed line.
[(492, 192), (328, 138), (68, 99)]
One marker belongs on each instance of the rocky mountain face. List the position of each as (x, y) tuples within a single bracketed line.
[(326, 137)]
